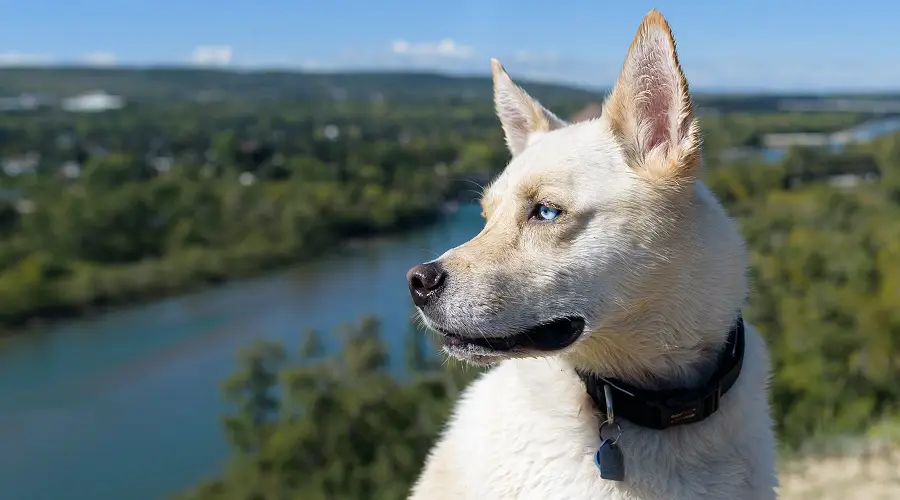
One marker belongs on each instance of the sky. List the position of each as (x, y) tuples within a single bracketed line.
[(796, 45)]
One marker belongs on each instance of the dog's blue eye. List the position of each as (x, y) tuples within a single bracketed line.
[(544, 212)]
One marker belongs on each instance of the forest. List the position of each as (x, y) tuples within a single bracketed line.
[(174, 192)]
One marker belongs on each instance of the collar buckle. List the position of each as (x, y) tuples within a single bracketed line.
[(711, 404)]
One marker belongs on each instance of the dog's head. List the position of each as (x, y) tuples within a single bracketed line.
[(584, 225)]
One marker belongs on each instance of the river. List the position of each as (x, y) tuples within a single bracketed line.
[(125, 405), (837, 142)]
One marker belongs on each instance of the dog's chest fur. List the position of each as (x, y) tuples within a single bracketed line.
[(527, 430)]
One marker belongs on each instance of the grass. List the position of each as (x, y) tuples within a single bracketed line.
[(847, 468)]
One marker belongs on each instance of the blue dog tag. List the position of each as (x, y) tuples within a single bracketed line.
[(608, 458)]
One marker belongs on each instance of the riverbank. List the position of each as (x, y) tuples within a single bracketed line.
[(773, 148), (107, 403), (40, 298)]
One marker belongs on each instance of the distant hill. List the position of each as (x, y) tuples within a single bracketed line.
[(183, 83), (180, 83)]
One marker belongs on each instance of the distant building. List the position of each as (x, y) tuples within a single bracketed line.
[(93, 102), (247, 179), (70, 170), (801, 139), (162, 164), (589, 112), (25, 102), (19, 165), (331, 132)]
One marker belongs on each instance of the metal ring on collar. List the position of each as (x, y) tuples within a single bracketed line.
[(615, 425)]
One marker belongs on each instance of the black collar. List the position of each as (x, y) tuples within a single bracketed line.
[(663, 409)]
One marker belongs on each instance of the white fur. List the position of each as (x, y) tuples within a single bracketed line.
[(526, 430), (647, 256)]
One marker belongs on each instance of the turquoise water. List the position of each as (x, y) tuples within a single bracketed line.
[(863, 132), (126, 405)]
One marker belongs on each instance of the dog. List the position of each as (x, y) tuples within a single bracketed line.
[(605, 290)]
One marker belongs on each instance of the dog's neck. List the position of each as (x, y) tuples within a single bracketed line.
[(673, 367), (673, 329), (661, 409)]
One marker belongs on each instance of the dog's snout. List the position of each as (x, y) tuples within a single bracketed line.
[(426, 282)]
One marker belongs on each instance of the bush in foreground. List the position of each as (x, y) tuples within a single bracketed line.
[(330, 427)]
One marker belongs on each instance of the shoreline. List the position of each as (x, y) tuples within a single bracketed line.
[(84, 295)]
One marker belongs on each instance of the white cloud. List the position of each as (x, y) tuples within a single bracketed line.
[(99, 59), (13, 58), (526, 56), (314, 65), (212, 55), (446, 48)]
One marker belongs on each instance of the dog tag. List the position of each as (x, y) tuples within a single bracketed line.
[(609, 460)]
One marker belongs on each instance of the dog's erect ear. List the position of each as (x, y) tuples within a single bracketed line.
[(520, 114), (650, 108)]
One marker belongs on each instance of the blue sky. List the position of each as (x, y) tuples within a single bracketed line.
[(761, 44)]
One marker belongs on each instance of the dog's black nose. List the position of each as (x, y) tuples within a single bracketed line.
[(425, 282)]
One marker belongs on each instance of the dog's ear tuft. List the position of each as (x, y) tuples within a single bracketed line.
[(650, 108), (521, 116)]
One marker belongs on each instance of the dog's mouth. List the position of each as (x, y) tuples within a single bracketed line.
[(546, 337)]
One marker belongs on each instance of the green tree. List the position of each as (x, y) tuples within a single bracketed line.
[(341, 427)]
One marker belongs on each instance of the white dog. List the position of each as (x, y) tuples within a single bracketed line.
[(607, 286)]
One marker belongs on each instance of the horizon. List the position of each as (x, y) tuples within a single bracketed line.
[(760, 47), (175, 66)]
